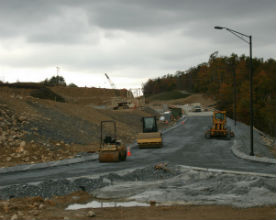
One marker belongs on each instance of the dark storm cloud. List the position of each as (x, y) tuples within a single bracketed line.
[(153, 34), (37, 18), (23, 17), (161, 14)]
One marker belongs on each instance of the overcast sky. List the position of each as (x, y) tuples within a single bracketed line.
[(132, 41)]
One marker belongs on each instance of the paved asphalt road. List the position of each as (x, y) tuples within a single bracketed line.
[(185, 144)]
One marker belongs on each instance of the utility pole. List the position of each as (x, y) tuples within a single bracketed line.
[(251, 99), (58, 69), (235, 99)]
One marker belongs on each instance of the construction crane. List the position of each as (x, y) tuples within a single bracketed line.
[(110, 82), (118, 102)]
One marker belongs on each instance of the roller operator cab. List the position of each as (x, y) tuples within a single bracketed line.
[(150, 137)]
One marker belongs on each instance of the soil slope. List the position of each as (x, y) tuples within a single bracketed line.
[(38, 130)]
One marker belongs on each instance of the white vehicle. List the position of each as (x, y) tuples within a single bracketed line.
[(197, 109)]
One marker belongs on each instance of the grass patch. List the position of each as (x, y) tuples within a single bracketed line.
[(175, 94)]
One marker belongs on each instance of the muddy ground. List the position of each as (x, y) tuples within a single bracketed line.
[(37, 208)]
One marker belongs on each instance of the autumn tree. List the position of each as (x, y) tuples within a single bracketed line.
[(216, 79)]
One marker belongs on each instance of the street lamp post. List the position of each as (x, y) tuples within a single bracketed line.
[(235, 97), (249, 41)]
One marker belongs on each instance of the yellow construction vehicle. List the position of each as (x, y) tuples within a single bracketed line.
[(219, 128), (150, 136), (111, 149)]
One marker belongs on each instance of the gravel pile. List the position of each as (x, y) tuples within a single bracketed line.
[(186, 186), (60, 187), (146, 174), (60, 126), (23, 139), (51, 188), (197, 187), (11, 127), (222, 189), (231, 184)]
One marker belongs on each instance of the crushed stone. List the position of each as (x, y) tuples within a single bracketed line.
[(50, 188)]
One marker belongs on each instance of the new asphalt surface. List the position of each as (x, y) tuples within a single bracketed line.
[(184, 144)]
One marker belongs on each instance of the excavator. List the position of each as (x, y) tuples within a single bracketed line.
[(218, 128), (119, 102), (111, 149), (150, 138)]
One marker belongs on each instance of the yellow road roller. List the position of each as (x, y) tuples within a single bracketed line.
[(150, 137), (111, 149)]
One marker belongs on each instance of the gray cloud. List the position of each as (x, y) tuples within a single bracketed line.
[(90, 35)]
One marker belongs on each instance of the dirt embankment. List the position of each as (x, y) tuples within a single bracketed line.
[(86, 96), (39, 130)]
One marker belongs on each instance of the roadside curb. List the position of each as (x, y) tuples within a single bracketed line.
[(26, 167), (235, 150), (227, 171)]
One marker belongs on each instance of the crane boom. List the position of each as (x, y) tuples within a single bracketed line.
[(110, 82)]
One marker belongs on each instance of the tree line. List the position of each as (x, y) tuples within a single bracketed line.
[(53, 81), (57, 81), (216, 79)]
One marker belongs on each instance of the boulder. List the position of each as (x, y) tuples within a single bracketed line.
[(91, 214), (22, 144), (22, 118), (14, 217)]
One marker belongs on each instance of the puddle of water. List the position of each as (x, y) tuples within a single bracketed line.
[(97, 204)]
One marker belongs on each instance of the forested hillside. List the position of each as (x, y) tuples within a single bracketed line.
[(216, 79)]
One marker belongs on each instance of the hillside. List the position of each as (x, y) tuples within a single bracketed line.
[(35, 130), (217, 79), (192, 98), (168, 95), (84, 96)]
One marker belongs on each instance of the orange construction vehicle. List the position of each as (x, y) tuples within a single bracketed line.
[(219, 128)]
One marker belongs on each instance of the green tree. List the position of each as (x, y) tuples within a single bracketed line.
[(216, 79), (55, 81), (72, 85)]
